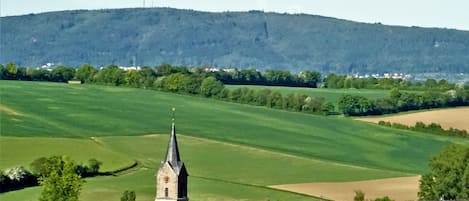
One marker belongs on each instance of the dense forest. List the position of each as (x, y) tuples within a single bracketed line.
[(260, 40)]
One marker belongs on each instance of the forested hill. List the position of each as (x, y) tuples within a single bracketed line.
[(230, 39)]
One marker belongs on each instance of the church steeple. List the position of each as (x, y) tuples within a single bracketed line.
[(171, 178), (172, 154)]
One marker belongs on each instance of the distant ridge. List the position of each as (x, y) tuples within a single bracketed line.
[(253, 39)]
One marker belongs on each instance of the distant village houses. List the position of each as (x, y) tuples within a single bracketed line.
[(384, 75)]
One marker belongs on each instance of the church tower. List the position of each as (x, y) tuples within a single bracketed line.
[(171, 178)]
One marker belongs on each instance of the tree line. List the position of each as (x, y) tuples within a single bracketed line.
[(433, 128), (41, 169), (199, 81), (400, 101), (111, 74), (270, 77), (345, 82), (193, 81)]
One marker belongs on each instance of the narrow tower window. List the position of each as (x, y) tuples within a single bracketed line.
[(166, 192)]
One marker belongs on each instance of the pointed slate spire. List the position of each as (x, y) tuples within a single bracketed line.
[(172, 154)]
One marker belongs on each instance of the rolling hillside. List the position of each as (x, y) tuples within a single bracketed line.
[(231, 39), (60, 110), (225, 146)]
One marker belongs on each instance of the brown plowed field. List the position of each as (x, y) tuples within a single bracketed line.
[(398, 189), (455, 117)]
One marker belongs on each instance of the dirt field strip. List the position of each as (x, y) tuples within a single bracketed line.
[(399, 189), (9, 111), (455, 117)]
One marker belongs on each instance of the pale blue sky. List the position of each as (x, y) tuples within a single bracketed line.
[(424, 13)]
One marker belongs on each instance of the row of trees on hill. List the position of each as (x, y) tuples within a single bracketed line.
[(433, 128), (192, 81), (343, 81), (197, 81), (399, 101), (146, 75), (274, 99)]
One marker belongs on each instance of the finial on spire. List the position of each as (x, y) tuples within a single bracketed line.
[(173, 118)]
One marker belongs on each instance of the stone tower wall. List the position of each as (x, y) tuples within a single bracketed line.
[(166, 178)]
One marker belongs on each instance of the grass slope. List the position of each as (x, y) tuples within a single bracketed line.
[(51, 109), (15, 151), (331, 95), (215, 169)]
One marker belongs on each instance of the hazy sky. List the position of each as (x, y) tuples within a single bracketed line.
[(424, 13)]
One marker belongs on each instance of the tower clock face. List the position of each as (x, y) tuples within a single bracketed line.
[(166, 179)]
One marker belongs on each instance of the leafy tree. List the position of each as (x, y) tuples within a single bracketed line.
[(395, 94), (247, 95), (192, 84), (262, 96), (174, 82), (86, 73), (10, 71), (148, 76), (348, 104), (250, 76), (93, 166), (211, 87), (61, 182), (331, 81), (443, 84), (278, 77), (449, 176), (310, 78), (431, 83), (164, 69), (16, 178), (39, 166), (313, 104), (224, 94), (235, 95), (348, 83), (328, 108), (40, 75), (132, 78), (359, 196), (128, 196), (275, 100), (2, 71), (110, 75), (18, 174), (385, 198), (22, 74), (62, 74)]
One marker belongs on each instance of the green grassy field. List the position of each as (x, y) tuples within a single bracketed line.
[(61, 110), (213, 175), (16, 151), (331, 95), (226, 146)]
